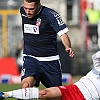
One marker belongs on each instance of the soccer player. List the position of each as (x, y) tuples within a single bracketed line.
[(40, 27), (87, 88)]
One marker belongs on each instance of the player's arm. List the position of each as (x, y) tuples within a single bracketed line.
[(66, 41)]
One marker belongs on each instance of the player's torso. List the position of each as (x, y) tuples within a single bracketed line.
[(89, 85), (39, 35)]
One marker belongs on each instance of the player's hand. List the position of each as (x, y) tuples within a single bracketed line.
[(70, 51), (1, 95)]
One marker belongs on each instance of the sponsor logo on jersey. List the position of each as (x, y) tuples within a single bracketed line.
[(32, 29)]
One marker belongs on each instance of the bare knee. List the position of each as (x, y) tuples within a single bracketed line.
[(28, 82), (47, 95), (25, 84), (43, 94)]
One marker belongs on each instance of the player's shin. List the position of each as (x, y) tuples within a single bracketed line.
[(25, 93)]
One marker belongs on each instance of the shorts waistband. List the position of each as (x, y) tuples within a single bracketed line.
[(50, 58)]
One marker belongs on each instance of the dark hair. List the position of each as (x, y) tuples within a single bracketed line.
[(32, 0)]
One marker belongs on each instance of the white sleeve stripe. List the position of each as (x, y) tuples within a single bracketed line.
[(65, 30)]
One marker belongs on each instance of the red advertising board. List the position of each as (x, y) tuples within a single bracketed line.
[(9, 71)]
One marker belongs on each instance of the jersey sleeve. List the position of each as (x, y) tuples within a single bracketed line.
[(57, 23), (96, 59)]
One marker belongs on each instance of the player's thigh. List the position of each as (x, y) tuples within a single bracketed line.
[(52, 80), (52, 74)]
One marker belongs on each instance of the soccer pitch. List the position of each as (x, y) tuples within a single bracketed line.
[(9, 87)]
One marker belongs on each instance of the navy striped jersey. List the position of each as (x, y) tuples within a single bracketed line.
[(40, 32)]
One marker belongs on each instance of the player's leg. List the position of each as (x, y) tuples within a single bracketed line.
[(53, 76), (52, 93), (29, 71), (28, 82), (24, 93)]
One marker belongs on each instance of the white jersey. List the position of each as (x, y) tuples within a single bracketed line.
[(89, 85)]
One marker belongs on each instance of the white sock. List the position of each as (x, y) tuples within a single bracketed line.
[(25, 93)]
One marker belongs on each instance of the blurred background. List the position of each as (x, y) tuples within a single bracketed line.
[(72, 13)]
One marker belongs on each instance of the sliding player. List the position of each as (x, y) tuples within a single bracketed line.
[(87, 88)]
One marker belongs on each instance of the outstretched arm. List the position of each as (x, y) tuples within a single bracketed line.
[(66, 42)]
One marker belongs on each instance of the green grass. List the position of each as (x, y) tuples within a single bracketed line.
[(9, 87)]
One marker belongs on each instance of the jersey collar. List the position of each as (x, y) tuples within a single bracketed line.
[(39, 11)]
